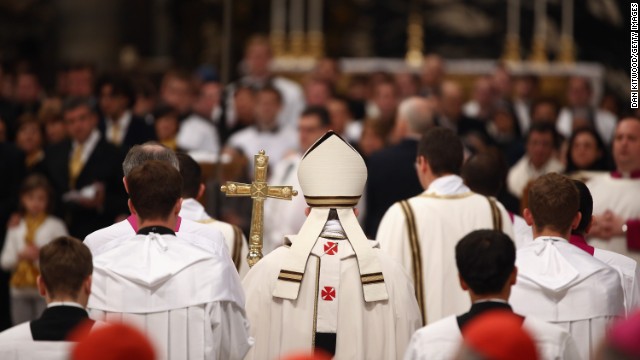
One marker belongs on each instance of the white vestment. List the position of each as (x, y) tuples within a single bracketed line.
[(522, 173), (604, 123), (282, 218), (198, 134), (100, 240), (442, 339), (629, 272), (562, 284), (444, 213), (330, 301), (188, 301), (277, 144), (621, 196), (234, 238), (23, 350)]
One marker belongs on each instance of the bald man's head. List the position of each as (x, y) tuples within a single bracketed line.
[(139, 154)]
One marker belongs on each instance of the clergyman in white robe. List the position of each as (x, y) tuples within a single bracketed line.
[(441, 215), (563, 285), (442, 339), (187, 299)]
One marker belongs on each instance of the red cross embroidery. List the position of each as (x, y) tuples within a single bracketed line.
[(331, 248), (328, 293)]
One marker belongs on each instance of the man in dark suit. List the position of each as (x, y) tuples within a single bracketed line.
[(65, 282), (85, 172), (392, 173), (12, 170), (118, 125)]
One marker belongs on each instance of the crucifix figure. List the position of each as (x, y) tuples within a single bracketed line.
[(259, 190)]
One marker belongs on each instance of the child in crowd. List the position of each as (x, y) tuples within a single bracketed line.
[(22, 244)]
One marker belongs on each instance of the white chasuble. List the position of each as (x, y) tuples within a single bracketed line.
[(330, 300), (441, 216)]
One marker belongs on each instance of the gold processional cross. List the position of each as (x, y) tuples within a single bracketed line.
[(259, 190)]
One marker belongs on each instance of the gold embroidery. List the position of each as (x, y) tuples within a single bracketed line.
[(315, 303), (416, 258), (372, 278), (496, 217), (290, 276), (331, 201), (450, 197)]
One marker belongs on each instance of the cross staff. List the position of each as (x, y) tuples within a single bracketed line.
[(259, 190)]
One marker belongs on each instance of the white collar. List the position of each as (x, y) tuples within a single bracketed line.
[(551, 238), (491, 300), (192, 210), (448, 185), (65, 303)]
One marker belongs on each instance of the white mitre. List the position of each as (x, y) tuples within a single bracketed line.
[(332, 174)]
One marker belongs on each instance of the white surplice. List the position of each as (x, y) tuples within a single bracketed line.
[(186, 299), (444, 213), (629, 272), (101, 240), (442, 339), (234, 238), (330, 300), (622, 196), (562, 284), (49, 350)]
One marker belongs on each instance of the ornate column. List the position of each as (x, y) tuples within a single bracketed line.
[(277, 36), (296, 28), (567, 47), (315, 36), (512, 42), (415, 37), (539, 46)]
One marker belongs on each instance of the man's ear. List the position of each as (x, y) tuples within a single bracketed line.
[(201, 190), (463, 284), (591, 222), (307, 211), (132, 210), (576, 220), (124, 182), (86, 285), (177, 207), (42, 289), (513, 278), (528, 216)]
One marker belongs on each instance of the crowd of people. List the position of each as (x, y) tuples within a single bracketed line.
[(477, 203)]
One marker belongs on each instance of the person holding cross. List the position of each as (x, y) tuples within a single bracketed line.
[(329, 288)]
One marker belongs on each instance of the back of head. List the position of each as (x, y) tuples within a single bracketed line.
[(498, 335), (485, 173), (418, 114), (443, 150), (65, 263), (585, 208), (154, 189), (485, 260), (553, 202), (139, 154), (191, 176), (114, 342)]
